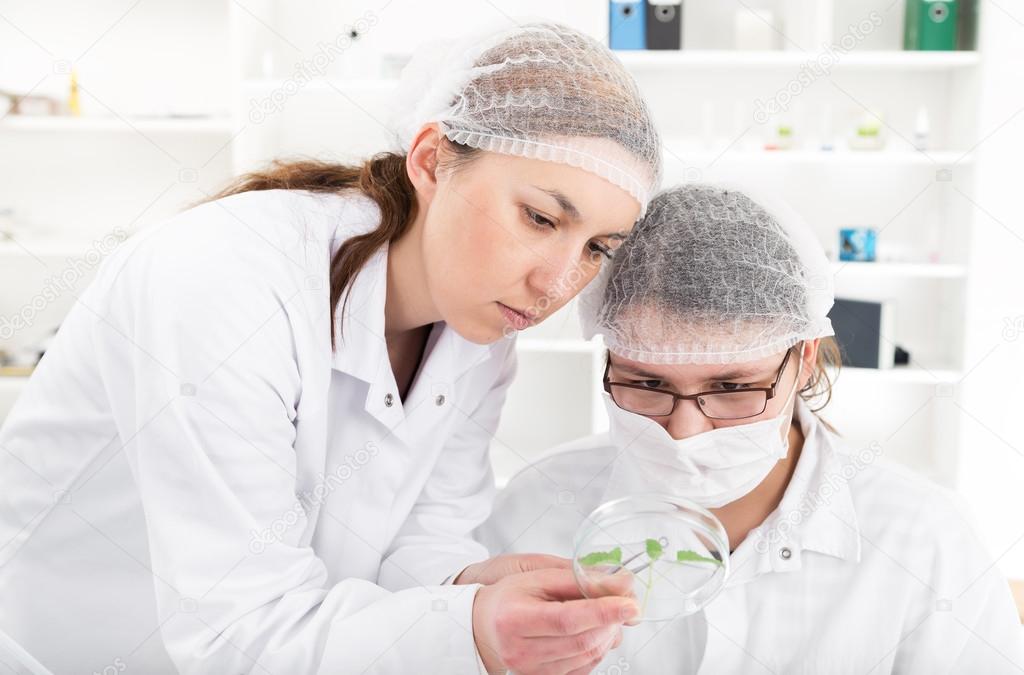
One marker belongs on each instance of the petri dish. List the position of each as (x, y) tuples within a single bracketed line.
[(676, 551)]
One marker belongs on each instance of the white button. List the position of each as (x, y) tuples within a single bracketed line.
[(785, 554), (439, 400), (389, 400)]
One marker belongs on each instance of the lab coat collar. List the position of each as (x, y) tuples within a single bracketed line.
[(816, 512), (362, 349)]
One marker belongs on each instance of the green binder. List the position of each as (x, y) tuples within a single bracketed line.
[(931, 25)]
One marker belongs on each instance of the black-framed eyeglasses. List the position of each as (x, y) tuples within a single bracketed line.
[(717, 405)]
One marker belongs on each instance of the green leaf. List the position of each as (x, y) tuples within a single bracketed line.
[(654, 549), (693, 556), (602, 557)]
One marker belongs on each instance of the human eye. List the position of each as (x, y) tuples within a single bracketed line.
[(731, 386), (647, 384), (537, 220), (600, 249)]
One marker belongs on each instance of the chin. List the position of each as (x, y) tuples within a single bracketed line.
[(477, 332)]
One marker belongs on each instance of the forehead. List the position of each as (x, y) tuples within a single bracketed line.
[(601, 205), (694, 372)]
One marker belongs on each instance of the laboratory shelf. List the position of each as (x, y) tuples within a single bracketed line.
[(641, 60), (154, 125), (839, 157), (265, 85), (875, 270), (900, 375), (876, 61), (12, 383)]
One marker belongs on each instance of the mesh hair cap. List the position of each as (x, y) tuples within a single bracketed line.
[(711, 276), (540, 91)]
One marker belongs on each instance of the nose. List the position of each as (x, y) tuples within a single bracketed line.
[(559, 274), (686, 420)]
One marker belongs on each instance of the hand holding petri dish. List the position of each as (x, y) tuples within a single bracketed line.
[(676, 552)]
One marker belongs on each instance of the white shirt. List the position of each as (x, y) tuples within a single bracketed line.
[(193, 480), (863, 568)]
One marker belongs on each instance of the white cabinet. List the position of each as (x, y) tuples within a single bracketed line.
[(268, 78)]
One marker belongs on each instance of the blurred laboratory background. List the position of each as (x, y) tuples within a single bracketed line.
[(896, 127)]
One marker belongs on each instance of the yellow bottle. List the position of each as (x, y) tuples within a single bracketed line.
[(74, 103)]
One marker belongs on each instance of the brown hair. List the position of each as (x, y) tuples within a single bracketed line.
[(591, 104), (382, 178), (826, 370)]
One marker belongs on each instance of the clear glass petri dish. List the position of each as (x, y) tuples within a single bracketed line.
[(676, 551)]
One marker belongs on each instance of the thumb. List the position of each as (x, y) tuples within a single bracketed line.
[(540, 561)]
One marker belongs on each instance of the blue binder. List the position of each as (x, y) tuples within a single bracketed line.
[(626, 22)]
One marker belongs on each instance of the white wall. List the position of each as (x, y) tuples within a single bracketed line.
[(990, 400)]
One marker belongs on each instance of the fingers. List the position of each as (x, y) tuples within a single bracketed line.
[(581, 664), (548, 649), (620, 583), (495, 569), (572, 617), (618, 638), (550, 584), (540, 561)]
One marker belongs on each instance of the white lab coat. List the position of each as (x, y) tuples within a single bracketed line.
[(193, 480), (863, 568)]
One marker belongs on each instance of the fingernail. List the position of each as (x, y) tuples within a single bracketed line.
[(630, 612)]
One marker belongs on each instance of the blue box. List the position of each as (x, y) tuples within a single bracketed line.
[(626, 24), (857, 244)]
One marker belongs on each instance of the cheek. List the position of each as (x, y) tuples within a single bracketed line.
[(466, 255), (571, 280)]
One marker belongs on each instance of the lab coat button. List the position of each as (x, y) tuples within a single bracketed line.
[(785, 554), (439, 400), (389, 400)]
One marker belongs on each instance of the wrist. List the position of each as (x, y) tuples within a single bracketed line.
[(466, 576), (490, 659)]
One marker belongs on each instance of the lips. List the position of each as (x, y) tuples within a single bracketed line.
[(514, 318)]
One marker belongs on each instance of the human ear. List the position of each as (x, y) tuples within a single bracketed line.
[(421, 161), (809, 356)]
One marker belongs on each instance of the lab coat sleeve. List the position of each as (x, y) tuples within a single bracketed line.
[(196, 350), (967, 621), (436, 540)]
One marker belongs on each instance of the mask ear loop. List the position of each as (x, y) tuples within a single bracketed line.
[(784, 429)]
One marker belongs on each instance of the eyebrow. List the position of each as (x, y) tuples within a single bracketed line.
[(638, 372), (738, 373), (735, 374), (563, 201)]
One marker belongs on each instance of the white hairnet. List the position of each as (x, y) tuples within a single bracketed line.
[(711, 276), (541, 91)]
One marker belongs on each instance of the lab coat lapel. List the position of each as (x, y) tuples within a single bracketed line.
[(362, 353), (438, 390), (816, 512)]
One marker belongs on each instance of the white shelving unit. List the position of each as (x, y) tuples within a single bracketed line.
[(155, 119), (154, 125), (639, 61), (256, 102)]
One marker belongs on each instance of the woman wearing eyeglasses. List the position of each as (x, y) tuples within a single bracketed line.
[(714, 313)]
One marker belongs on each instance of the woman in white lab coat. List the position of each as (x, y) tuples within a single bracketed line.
[(259, 442), (715, 316)]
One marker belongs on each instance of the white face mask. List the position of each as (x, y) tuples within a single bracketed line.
[(710, 469)]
